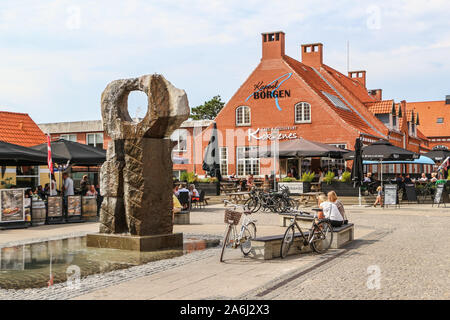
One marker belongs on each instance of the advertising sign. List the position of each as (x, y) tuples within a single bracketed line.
[(294, 187), (390, 194), (12, 207), (73, 206), (55, 206)]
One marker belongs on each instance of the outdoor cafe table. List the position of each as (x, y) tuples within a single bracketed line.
[(238, 197), (306, 197)]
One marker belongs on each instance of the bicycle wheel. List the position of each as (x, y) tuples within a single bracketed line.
[(287, 242), (252, 228), (246, 241), (322, 237), (251, 205), (227, 241)]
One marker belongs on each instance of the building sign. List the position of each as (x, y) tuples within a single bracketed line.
[(12, 208), (266, 135), (271, 90)]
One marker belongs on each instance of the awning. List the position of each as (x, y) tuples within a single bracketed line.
[(421, 160)]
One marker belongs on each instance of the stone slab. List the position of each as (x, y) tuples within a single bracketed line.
[(182, 218), (137, 243)]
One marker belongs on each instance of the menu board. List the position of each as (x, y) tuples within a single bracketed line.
[(12, 205), (73, 205), (294, 187), (438, 196), (390, 194), (55, 206)]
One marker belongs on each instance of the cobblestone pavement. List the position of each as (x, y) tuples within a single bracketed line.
[(411, 254), (409, 249)]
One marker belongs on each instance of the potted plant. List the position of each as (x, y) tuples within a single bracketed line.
[(307, 178), (209, 185), (342, 187)]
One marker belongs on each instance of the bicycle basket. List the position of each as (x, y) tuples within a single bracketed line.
[(232, 216)]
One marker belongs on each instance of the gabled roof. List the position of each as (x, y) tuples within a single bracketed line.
[(19, 128), (318, 83), (351, 85), (429, 112), (380, 107)]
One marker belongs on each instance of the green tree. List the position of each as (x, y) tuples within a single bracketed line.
[(208, 110)]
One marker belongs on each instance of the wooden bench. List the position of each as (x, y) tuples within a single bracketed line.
[(183, 217), (267, 248)]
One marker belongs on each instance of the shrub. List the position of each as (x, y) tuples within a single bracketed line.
[(288, 179), (308, 176), (346, 176), (189, 177), (329, 177), (207, 180)]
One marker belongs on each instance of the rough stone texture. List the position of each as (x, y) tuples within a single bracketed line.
[(136, 179)]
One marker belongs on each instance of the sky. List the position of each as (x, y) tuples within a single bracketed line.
[(57, 56)]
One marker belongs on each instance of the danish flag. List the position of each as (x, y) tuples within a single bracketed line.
[(49, 155)]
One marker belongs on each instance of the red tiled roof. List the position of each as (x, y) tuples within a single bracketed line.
[(351, 85), (19, 128), (429, 112), (380, 107), (318, 85)]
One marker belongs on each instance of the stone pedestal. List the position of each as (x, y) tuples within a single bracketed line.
[(136, 243)]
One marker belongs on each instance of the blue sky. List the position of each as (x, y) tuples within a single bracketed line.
[(56, 57)]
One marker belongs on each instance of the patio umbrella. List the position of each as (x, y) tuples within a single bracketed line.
[(211, 162), (16, 155), (383, 150), (438, 155), (302, 148), (357, 169), (421, 160), (77, 153)]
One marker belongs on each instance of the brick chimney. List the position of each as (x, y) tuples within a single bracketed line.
[(376, 93), (312, 54), (358, 75), (272, 45), (447, 99)]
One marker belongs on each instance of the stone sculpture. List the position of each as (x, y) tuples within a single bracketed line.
[(136, 179)]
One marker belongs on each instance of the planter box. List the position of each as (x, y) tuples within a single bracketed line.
[(211, 189), (343, 189), (296, 187)]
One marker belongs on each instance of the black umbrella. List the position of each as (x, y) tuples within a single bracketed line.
[(211, 162), (76, 153), (15, 155), (438, 155), (383, 150), (357, 169)]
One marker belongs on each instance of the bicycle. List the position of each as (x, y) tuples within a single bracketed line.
[(232, 238), (319, 237)]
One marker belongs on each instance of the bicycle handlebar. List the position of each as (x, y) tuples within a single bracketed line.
[(235, 205)]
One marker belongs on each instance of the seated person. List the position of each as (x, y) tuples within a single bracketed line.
[(193, 193), (433, 177), (407, 179), (332, 197), (330, 211), (92, 192), (176, 206), (423, 178), (379, 198), (368, 178), (250, 182), (182, 188)]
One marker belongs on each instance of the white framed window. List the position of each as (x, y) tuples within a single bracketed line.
[(69, 137), (180, 137), (247, 163), (224, 161), (95, 139), (302, 112), (243, 116)]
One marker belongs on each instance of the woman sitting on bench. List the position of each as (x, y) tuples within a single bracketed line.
[(330, 211), (332, 197)]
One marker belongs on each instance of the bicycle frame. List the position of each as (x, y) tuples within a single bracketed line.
[(310, 238)]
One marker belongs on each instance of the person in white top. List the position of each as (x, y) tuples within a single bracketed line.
[(423, 178), (330, 211), (68, 185)]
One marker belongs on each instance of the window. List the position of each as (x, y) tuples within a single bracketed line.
[(177, 173), (69, 137), (247, 161), (224, 161), (95, 140), (27, 176), (302, 112), (440, 120), (243, 116), (180, 137), (335, 101)]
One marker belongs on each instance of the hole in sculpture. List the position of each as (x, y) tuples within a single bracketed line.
[(137, 105)]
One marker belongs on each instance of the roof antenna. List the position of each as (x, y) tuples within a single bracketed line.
[(348, 56)]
